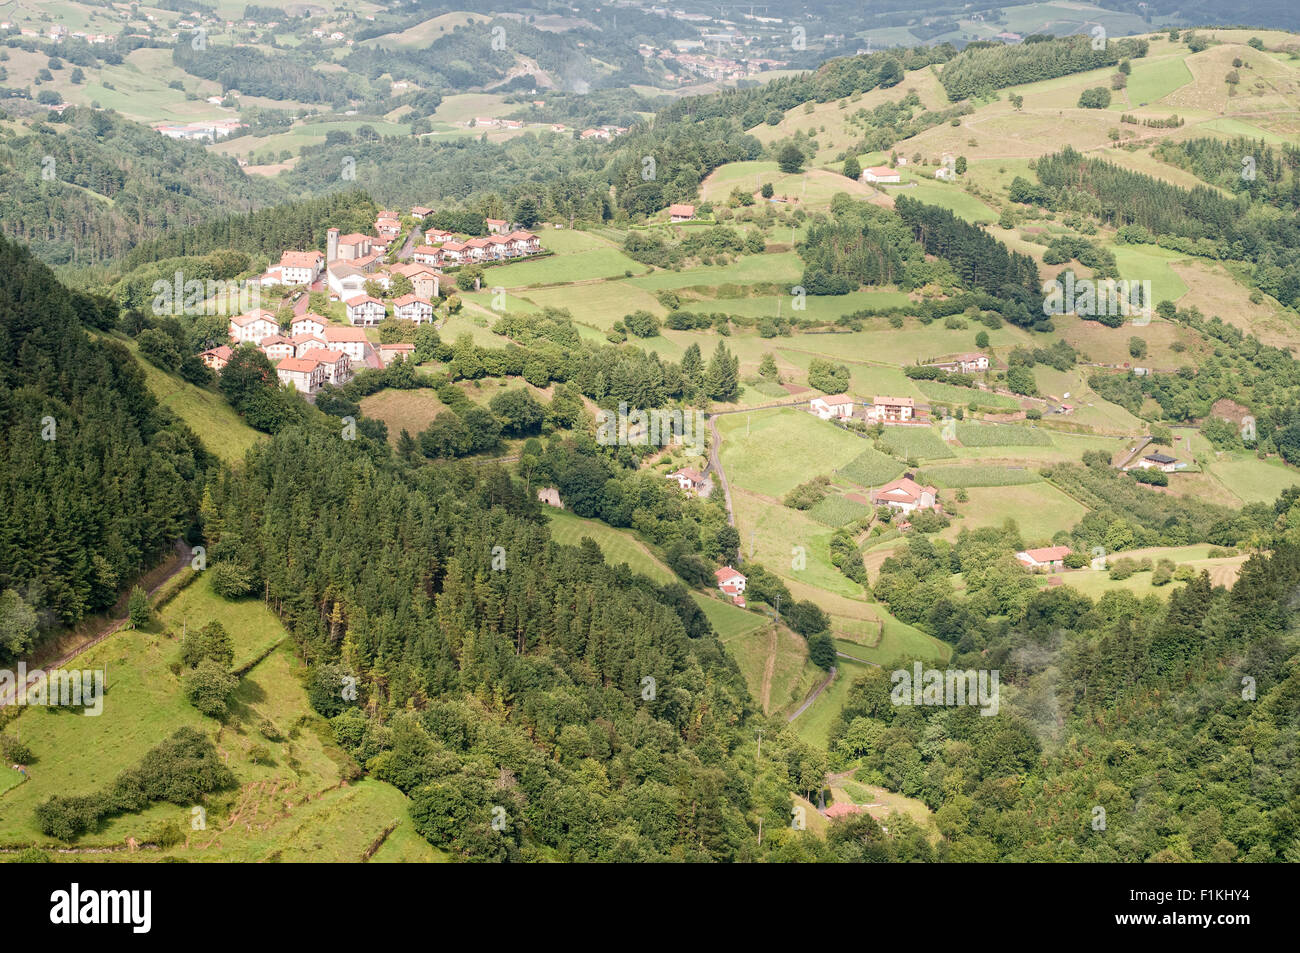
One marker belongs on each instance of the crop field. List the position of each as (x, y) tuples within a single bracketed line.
[(964, 396), (871, 468), (836, 510), (1001, 435), (563, 269), (975, 475), (919, 443)]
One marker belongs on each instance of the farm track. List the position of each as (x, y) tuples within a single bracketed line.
[(182, 555), (815, 693)]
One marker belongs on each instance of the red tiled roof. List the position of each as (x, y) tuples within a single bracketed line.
[(727, 574), (895, 401), (833, 399), (361, 299), (339, 334), (681, 210), (1048, 554), (298, 364)]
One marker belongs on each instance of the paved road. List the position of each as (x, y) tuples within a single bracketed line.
[(813, 697)]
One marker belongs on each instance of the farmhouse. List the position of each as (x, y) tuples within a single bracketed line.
[(891, 409), (300, 267), (253, 326), (1159, 461), (364, 310), (688, 479), (351, 341), (681, 213), (732, 583), (420, 211), (964, 363), (215, 358), (413, 308), (309, 323), (882, 174), (497, 226), (839, 406), (304, 374), (905, 495), (1047, 558)]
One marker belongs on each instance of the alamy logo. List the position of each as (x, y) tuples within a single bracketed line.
[(64, 688), (655, 428), (74, 906), (931, 686)]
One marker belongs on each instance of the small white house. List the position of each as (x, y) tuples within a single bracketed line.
[(839, 406), (881, 175)]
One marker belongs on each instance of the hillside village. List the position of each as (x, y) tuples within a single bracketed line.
[(313, 350)]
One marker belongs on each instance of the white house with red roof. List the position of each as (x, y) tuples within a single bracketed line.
[(304, 374), (413, 308), (337, 366), (891, 409), (302, 343), (420, 211), (427, 255), (453, 252), (1046, 558), (964, 363), (388, 227), (905, 495), (436, 236), (681, 213), (301, 267), (215, 358), (839, 406), (276, 346), (309, 323), (688, 479), (732, 583), (253, 326), (882, 174), (365, 311), (351, 341), (524, 243)]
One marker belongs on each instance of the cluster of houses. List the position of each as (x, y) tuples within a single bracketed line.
[(316, 353), (883, 409)]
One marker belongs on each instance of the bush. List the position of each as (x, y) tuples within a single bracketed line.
[(13, 751), (231, 580), (209, 687), (209, 642)]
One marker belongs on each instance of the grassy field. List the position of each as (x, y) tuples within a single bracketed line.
[(1251, 479), (617, 545), (409, 410), (205, 410), (291, 808), (769, 451), (1039, 509)]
